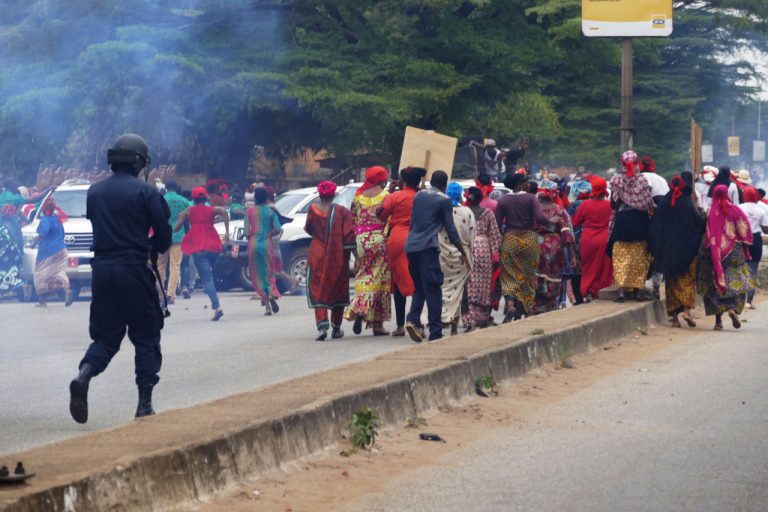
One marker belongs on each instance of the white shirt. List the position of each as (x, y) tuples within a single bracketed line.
[(702, 189), (659, 186), (733, 193), (756, 215)]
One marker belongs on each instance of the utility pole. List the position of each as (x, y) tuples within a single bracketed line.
[(627, 121)]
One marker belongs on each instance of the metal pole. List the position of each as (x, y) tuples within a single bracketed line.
[(759, 115), (627, 122)]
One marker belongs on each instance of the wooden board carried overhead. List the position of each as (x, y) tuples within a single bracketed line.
[(428, 149)]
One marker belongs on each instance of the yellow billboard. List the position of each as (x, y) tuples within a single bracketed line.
[(626, 18)]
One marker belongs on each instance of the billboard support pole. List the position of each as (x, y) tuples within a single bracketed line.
[(627, 122)]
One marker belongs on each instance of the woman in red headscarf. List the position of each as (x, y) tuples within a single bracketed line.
[(52, 258), (677, 229), (724, 279), (333, 240), (632, 201), (371, 303), (593, 216)]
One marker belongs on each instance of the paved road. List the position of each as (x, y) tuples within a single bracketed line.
[(40, 350), (687, 435)]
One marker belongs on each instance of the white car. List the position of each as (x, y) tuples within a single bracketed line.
[(294, 243), (70, 196)]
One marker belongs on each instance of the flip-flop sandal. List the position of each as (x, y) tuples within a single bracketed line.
[(619, 299), (676, 323), (734, 319), (275, 307), (688, 320), (718, 327)]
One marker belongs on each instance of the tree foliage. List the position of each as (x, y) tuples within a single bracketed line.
[(206, 81)]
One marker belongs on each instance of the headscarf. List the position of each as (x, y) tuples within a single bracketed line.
[(9, 211), (547, 190), (676, 188), (629, 187), (496, 195), (49, 208), (629, 163), (412, 176), (676, 229), (199, 193), (454, 191), (474, 195), (485, 184), (727, 225), (374, 176), (751, 195), (580, 190), (599, 186), (326, 189), (647, 164)]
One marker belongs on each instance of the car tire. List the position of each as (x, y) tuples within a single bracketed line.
[(244, 278), (297, 268)]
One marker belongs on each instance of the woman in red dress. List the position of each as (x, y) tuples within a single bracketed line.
[(203, 243), (595, 215), (333, 239), (396, 210)]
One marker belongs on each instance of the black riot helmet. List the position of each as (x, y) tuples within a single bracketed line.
[(129, 151)]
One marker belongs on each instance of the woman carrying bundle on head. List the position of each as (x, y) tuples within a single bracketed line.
[(677, 229), (455, 270), (723, 275), (373, 282), (628, 245), (333, 240), (396, 212), (479, 295), (553, 240)]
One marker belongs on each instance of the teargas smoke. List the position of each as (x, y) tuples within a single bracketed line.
[(74, 75)]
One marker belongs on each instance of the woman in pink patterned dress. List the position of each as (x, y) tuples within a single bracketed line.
[(486, 254)]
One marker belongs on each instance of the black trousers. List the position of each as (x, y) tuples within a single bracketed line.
[(427, 276), (124, 299)]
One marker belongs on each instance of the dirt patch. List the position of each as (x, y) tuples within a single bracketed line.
[(337, 477)]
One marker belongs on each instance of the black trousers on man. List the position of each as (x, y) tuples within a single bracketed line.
[(124, 298), (427, 279)]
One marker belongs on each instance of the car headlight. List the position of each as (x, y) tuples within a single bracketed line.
[(31, 240)]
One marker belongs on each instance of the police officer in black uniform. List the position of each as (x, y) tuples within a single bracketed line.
[(123, 209)]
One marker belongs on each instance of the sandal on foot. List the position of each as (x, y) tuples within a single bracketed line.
[(399, 332), (357, 327), (337, 333), (676, 323), (217, 316), (323, 335), (275, 307), (734, 319), (688, 320), (718, 327)]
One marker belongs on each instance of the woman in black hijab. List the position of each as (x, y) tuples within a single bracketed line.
[(676, 231)]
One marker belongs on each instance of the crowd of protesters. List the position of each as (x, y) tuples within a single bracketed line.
[(524, 249)]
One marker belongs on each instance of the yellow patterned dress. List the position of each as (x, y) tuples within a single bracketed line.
[(519, 260), (373, 280), (631, 261)]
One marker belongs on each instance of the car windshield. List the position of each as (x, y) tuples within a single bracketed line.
[(287, 202), (346, 196), (71, 202)]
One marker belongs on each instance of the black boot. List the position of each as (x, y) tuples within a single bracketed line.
[(78, 393), (145, 402)]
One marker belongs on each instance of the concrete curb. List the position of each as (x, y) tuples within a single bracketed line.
[(172, 478)]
